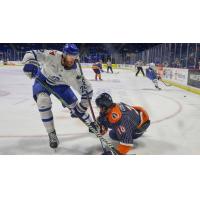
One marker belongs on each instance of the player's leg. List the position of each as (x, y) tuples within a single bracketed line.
[(99, 74), (94, 70), (78, 109), (155, 81), (100, 77), (42, 98), (142, 71), (140, 131), (111, 69), (138, 70)]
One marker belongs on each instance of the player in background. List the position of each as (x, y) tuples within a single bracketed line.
[(139, 64), (127, 123), (59, 71), (109, 66), (97, 68), (165, 64), (152, 75)]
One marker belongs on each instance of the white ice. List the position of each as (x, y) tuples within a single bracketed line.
[(174, 113)]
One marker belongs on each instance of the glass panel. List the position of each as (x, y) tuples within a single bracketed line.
[(183, 55), (198, 56), (166, 54), (191, 55), (172, 55), (177, 62)]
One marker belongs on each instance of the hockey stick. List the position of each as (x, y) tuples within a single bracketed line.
[(93, 116), (98, 135), (88, 99), (168, 85)]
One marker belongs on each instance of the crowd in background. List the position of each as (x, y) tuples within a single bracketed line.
[(177, 55)]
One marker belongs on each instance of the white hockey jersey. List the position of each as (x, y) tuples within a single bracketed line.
[(54, 71), (153, 66)]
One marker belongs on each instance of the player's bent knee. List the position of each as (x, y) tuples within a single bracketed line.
[(144, 127), (43, 101)]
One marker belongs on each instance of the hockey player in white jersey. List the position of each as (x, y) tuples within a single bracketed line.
[(152, 75), (59, 71)]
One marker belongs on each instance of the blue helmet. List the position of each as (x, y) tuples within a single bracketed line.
[(70, 49)]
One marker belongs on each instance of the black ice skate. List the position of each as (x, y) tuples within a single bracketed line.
[(53, 140), (158, 88)]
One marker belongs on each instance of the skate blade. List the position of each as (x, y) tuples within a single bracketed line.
[(55, 150)]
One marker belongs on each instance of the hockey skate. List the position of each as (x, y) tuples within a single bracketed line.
[(158, 88), (53, 140)]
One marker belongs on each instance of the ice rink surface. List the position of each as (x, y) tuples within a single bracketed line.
[(174, 113)]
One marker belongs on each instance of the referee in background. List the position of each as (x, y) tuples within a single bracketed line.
[(139, 65), (109, 66)]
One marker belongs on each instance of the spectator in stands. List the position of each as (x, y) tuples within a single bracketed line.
[(198, 65), (165, 64), (177, 63), (191, 61)]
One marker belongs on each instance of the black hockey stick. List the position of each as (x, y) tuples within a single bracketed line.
[(168, 85), (93, 115), (88, 99), (98, 135)]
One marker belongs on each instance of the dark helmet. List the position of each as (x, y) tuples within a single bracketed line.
[(70, 49), (104, 101)]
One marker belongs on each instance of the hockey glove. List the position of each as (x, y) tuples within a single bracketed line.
[(31, 68)]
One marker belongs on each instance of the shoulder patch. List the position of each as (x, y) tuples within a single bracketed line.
[(115, 114)]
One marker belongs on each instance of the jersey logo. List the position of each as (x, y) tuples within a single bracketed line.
[(115, 115), (54, 78)]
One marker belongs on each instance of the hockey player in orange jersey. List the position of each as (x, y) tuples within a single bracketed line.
[(97, 68), (126, 123)]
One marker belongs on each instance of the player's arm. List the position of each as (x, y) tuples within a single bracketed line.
[(31, 62), (103, 123)]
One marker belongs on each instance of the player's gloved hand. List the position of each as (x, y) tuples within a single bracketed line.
[(94, 128), (31, 68), (103, 129), (102, 121)]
